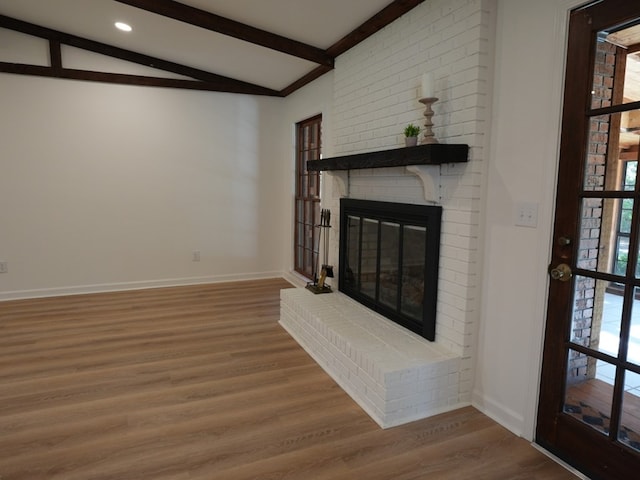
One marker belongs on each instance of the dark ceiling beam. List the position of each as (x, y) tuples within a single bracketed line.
[(208, 81), (125, 79), (384, 17), (231, 28), (55, 54), (223, 84), (302, 81)]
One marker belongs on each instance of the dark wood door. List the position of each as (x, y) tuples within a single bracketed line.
[(589, 405)]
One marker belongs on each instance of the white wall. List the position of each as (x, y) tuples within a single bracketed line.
[(108, 186), (524, 152)]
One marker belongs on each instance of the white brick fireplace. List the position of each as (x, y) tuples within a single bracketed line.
[(395, 375), (375, 95)]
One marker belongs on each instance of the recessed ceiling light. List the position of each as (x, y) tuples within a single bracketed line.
[(123, 26)]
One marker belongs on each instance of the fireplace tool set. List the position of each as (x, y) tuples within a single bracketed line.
[(326, 271)]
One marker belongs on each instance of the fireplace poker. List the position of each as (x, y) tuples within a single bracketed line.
[(316, 269), (328, 269), (318, 285)]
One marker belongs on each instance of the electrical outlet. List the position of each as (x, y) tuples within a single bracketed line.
[(4, 267), (526, 214), (195, 256)]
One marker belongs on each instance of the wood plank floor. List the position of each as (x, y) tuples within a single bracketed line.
[(201, 382)]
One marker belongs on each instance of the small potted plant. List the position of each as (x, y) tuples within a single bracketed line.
[(411, 132)]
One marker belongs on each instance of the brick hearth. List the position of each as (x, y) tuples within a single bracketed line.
[(395, 375)]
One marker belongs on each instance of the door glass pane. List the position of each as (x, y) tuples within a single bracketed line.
[(389, 253), (612, 152), (597, 315), (637, 272), (626, 210), (629, 431), (369, 257), (612, 53), (606, 372), (622, 255), (590, 233), (595, 167), (629, 174), (633, 347), (632, 73), (602, 246), (414, 247), (587, 398), (604, 71)]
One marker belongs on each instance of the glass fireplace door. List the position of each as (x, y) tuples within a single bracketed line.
[(389, 260)]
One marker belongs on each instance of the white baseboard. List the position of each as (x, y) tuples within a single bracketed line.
[(499, 413), (298, 280), (122, 286), (295, 279)]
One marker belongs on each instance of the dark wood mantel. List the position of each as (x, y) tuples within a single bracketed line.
[(431, 154)]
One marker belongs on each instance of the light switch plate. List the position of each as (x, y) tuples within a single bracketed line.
[(526, 214)]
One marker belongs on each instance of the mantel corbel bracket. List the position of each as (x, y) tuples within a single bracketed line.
[(340, 181), (427, 175)]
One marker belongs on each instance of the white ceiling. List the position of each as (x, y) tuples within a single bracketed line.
[(319, 23)]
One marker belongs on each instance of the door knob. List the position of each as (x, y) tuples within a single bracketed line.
[(562, 272)]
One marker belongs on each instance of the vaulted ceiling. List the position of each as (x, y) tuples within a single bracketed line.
[(263, 47)]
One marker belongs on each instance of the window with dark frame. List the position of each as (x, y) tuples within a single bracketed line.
[(307, 197)]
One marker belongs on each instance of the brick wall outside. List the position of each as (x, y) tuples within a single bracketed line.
[(587, 309), (376, 95)]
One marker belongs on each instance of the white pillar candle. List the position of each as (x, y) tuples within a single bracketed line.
[(427, 85)]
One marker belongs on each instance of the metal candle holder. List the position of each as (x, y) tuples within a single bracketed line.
[(429, 137)]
